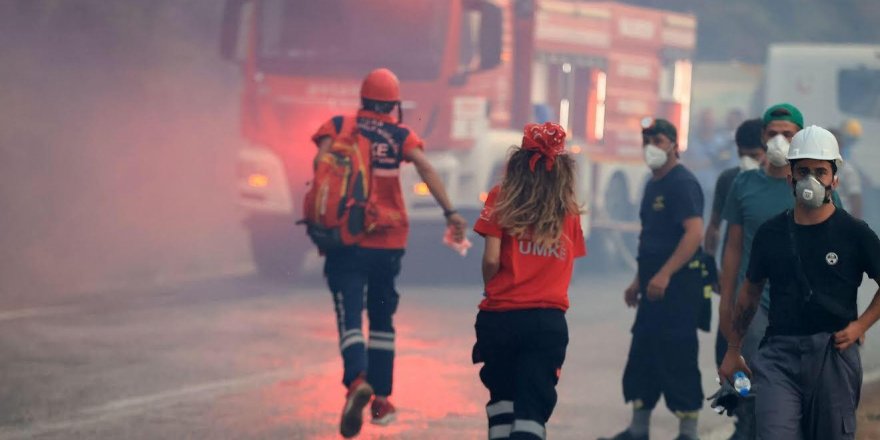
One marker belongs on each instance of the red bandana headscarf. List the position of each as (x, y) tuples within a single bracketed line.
[(547, 140)]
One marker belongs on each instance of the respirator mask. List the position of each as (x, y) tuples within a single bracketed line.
[(655, 157), (811, 193), (747, 163), (777, 150)]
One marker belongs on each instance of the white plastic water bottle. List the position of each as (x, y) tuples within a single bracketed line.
[(741, 383)]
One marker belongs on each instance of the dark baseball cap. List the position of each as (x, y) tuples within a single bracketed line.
[(784, 112), (660, 126)]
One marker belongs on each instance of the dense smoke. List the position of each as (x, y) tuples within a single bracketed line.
[(118, 135)]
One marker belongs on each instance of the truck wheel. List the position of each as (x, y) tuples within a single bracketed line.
[(278, 246)]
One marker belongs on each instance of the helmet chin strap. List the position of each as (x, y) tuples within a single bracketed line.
[(399, 112)]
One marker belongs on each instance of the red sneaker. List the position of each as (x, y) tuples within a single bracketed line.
[(383, 411), (358, 395)]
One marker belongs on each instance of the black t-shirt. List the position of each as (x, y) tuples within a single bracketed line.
[(722, 189), (834, 255), (667, 203)]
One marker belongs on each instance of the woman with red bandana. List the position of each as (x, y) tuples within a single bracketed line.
[(531, 225)]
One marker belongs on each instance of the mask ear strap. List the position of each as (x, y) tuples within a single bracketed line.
[(830, 189)]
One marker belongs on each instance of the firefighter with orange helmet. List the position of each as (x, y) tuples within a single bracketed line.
[(373, 263)]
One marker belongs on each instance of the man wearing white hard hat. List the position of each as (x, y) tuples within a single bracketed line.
[(807, 374), (755, 196)]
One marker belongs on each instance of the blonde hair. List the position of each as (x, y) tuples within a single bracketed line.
[(536, 202)]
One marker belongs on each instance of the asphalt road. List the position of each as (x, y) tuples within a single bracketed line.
[(242, 358)]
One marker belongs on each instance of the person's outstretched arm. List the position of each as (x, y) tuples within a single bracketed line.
[(438, 190)]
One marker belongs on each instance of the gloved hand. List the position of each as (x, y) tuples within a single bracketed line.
[(725, 399)]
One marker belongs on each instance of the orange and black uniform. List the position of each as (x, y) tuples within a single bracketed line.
[(521, 330), (375, 262)]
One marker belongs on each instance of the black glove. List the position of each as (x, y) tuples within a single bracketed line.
[(726, 399)]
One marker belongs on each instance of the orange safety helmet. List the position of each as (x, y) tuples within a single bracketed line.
[(381, 85), (852, 127)]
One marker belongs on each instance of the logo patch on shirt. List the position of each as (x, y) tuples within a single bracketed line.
[(659, 203), (529, 248), (831, 258), (486, 213)]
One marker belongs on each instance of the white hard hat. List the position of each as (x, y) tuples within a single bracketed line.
[(815, 142)]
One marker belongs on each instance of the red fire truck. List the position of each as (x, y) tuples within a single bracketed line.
[(472, 73)]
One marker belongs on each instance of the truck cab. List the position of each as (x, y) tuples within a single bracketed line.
[(302, 65), (473, 73)]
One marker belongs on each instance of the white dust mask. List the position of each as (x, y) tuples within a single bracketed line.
[(777, 150), (747, 163), (655, 157)]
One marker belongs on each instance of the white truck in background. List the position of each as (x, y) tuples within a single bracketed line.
[(831, 83)]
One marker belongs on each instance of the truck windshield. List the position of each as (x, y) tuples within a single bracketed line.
[(350, 37), (859, 92)]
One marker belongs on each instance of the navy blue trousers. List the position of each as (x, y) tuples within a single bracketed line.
[(356, 276), (664, 351)]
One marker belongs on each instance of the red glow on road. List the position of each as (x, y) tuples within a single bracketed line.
[(428, 391)]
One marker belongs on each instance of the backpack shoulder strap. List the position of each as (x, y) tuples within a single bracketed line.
[(348, 127)]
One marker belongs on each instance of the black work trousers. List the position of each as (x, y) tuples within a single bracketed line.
[(663, 355), (522, 352)]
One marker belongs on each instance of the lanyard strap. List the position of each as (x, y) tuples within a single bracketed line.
[(806, 289)]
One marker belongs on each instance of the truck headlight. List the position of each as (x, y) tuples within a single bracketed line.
[(421, 189), (257, 180)]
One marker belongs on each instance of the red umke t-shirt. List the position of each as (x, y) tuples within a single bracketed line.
[(530, 276)]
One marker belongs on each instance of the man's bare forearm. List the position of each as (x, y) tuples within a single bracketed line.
[(710, 240), (435, 184), (746, 306), (729, 272), (685, 250), (743, 316)]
